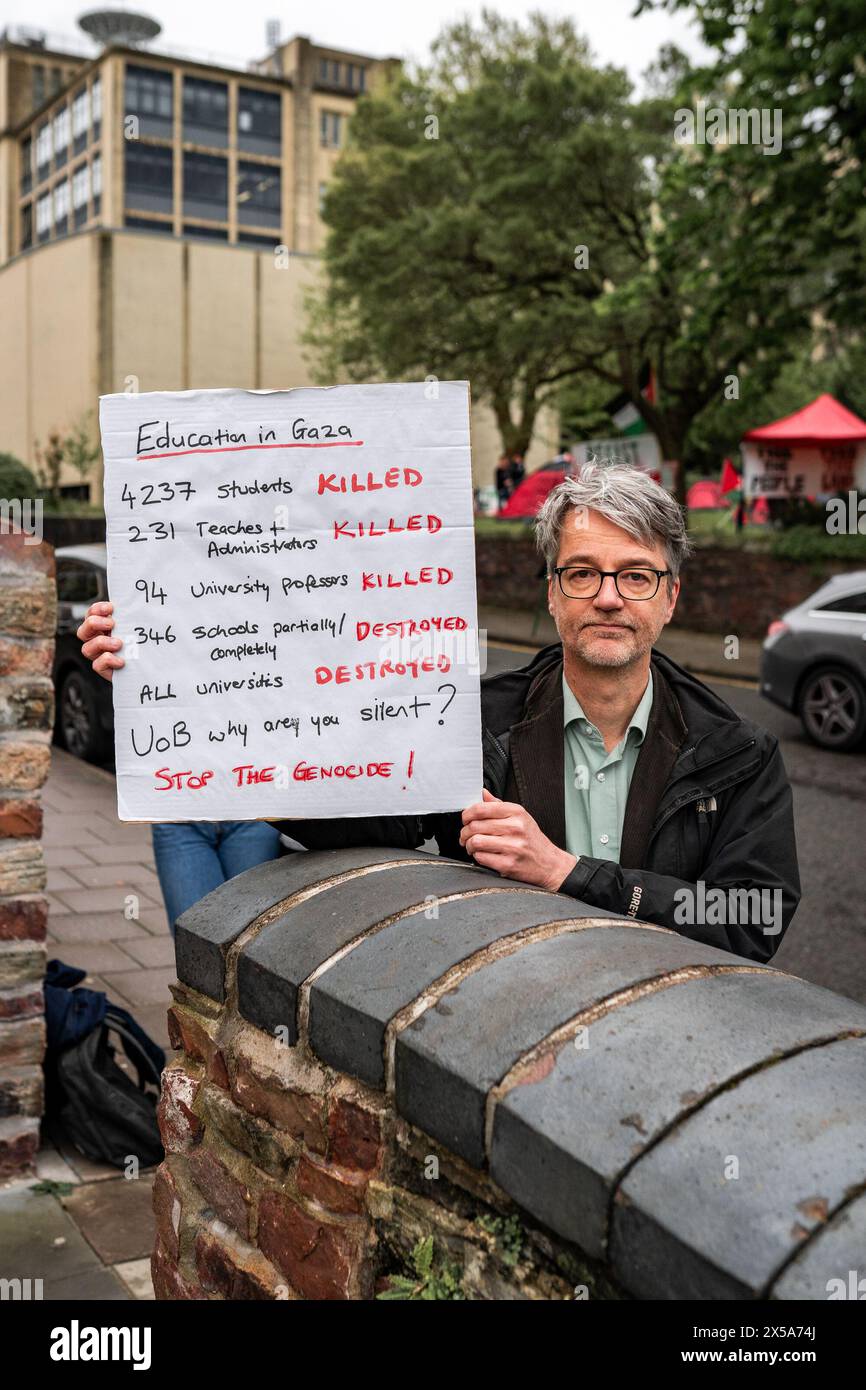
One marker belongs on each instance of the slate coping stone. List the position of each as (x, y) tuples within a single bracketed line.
[(560, 1142), (447, 1060), (795, 1136)]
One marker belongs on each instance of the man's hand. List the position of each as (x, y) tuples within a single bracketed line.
[(99, 646), (502, 835)]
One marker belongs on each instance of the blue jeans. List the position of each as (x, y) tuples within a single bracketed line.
[(194, 857)]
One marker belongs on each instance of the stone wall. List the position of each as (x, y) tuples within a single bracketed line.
[(27, 625), (399, 1075), (723, 591)]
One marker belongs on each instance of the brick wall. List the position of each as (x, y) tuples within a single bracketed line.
[(27, 625), (401, 1075), (723, 591)]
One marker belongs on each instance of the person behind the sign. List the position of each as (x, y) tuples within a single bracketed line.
[(192, 857)]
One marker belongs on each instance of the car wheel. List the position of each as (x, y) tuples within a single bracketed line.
[(832, 707), (78, 720)]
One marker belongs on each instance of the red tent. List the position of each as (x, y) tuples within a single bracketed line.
[(705, 493), (825, 421), (528, 496)]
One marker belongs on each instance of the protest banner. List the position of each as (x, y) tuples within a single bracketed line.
[(293, 577)]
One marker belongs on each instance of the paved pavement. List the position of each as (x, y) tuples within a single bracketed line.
[(83, 1228)]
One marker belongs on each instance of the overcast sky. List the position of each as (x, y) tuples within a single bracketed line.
[(236, 33)]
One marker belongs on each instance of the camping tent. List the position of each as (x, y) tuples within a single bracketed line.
[(819, 449), (704, 494), (528, 496)]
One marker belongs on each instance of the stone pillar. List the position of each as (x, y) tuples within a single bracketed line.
[(27, 625)]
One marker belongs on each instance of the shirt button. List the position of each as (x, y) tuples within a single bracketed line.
[(600, 776), (604, 839), (586, 729)]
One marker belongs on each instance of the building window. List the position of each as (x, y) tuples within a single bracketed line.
[(259, 202), (323, 188), (43, 217), (205, 186), (38, 84), (43, 151), (26, 226), (80, 121), (323, 69), (259, 119), (205, 111), (26, 165), (96, 182), (60, 134), (149, 95), (330, 129), (80, 194), (149, 177), (211, 233), (149, 224), (61, 207), (96, 107), (264, 243), (56, 79), (362, 78)]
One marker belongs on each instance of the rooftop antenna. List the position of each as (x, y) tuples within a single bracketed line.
[(272, 33)]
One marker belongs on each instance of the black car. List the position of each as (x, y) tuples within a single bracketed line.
[(84, 719)]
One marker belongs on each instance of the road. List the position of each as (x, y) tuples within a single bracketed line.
[(826, 942)]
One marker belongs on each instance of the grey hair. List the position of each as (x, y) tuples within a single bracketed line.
[(624, 495)]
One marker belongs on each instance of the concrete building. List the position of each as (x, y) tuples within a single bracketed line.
[(159, 224)]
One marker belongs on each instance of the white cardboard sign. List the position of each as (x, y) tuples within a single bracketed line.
[(293, 577)]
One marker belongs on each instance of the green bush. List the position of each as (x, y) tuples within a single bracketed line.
[(16, 479)]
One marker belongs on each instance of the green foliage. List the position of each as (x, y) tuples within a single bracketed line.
[(508, 1234), (75, 448), (807, 543), (16, 479), (50, 1187), (490, 528), (456, 256), (79, 448), (430, 1283)]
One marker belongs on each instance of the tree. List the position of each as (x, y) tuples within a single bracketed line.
[(78, 447), (513, 216), (805, 61), (49, 462), (479, 210)]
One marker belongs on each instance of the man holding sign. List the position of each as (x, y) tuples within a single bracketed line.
[(602, 769), (610, 772)]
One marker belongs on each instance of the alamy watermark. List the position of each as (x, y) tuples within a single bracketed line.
[(756, 907), (733, 125), (22, 514)]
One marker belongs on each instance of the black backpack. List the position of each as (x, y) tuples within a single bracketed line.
[(105, 1114)]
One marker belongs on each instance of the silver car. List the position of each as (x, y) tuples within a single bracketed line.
[(814, 662)]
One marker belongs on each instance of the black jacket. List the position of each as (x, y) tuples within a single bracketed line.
[(709, 807)]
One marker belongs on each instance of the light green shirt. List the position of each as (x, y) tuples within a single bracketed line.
[(597, 782)]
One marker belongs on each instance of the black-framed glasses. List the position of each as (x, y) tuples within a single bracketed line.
[(634, 584)]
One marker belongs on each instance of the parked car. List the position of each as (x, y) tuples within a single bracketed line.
[(813, 662), (84, 719)]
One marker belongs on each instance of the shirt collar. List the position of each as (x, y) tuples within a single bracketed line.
[(572, 710)]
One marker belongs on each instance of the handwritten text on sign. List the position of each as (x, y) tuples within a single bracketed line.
[(293, 577)]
